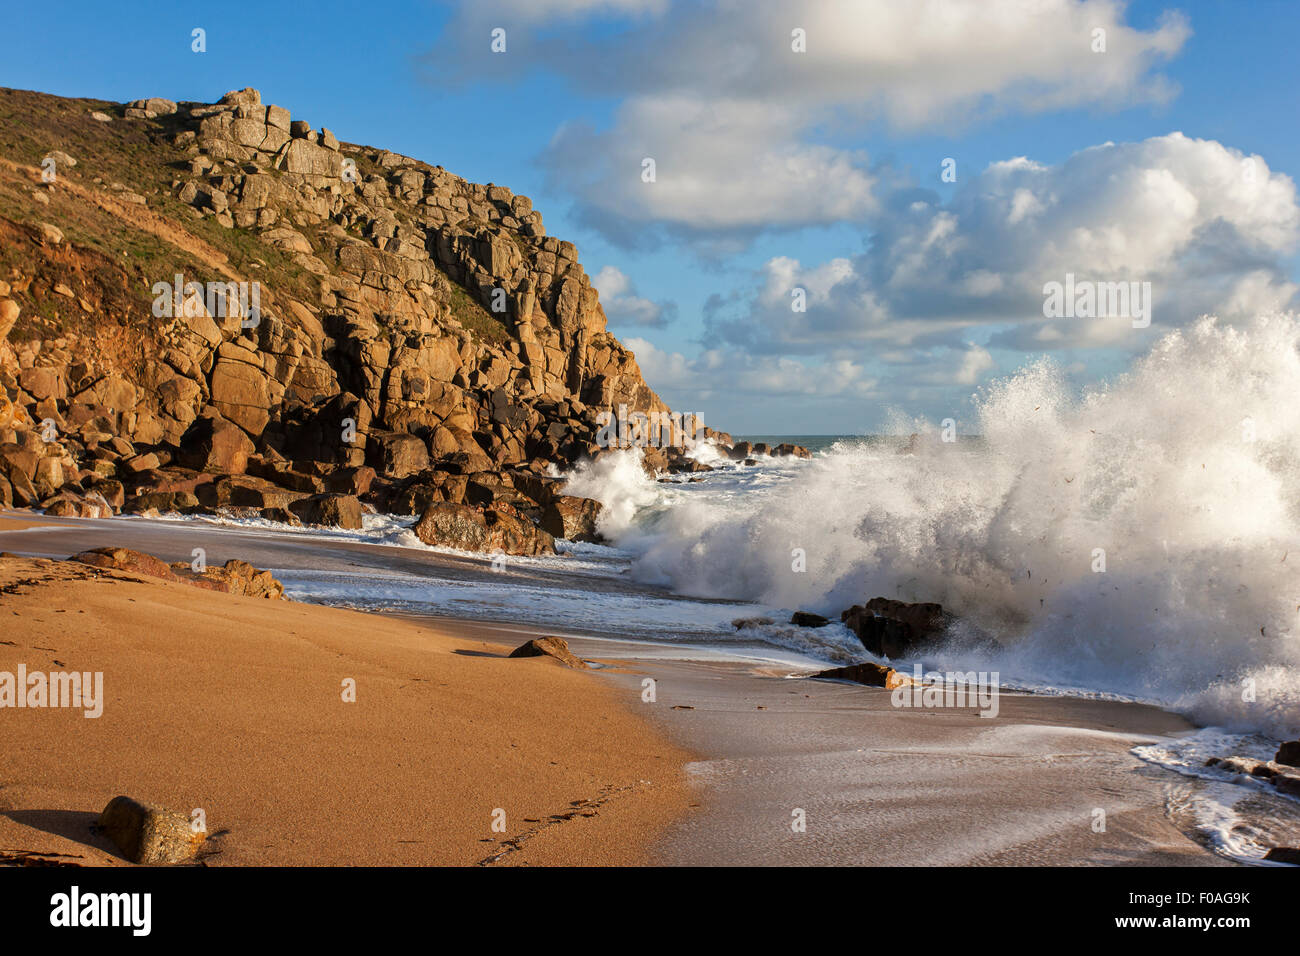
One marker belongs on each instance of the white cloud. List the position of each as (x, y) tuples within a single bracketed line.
[(975, 361), (1207, 226), (731, 115), (719, 168), (734, 372), (623, 307)]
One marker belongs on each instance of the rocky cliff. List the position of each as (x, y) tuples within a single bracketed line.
[(216, 305)]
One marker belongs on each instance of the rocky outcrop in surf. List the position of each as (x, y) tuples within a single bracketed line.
[(894, 629)]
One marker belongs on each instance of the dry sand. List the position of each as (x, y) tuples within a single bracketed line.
[(234, 705)]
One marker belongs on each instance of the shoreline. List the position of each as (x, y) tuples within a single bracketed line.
[(877, 785), (880, 786)]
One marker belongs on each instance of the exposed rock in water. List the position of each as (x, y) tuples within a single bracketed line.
[(1284, 854), (743, 622), (1285, 778), (150, 835), (789, 450), (1289, 753), (740, 451), (572, 518), (869, 673), (556, 647), (808, 619), (281, 516), (895, 628)]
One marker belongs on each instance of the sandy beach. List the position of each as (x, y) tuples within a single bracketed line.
[(233, 705)]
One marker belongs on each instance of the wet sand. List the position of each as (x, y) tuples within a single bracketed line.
[(19, 520), (885, 786)]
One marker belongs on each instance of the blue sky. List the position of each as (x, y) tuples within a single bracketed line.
[(818, 170)]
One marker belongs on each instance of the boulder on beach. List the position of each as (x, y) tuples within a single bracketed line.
[(125, 559), (150, 835), (572, 518), (556, 647), (468, 528), (161, 502), (234, 577), (67, 504), (334, 511)]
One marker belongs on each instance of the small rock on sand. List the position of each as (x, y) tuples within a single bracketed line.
[(149, 835), (556, 647)]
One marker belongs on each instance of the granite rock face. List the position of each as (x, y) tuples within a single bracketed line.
[(315, 308)]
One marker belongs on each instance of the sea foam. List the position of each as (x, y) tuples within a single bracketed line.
[(1181, 478)]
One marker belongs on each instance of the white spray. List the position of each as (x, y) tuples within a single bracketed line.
[(1143, 537)]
